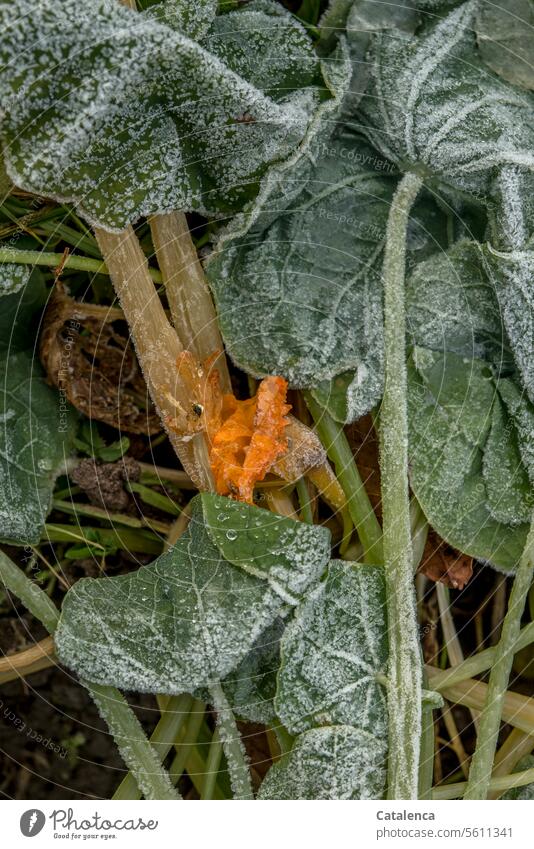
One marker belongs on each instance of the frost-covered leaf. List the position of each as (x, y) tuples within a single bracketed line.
[(337, 762), (462, 485), (13, 278), (299, 292), (513, 273), (452, 305), (365, 18), (527, 791), (433, 106), (128, 116), (251, 687), (193, 615), (505, 35), (22, 295), (279, 551), (268, 47), (36, 429), (333, 651), (191, 17)]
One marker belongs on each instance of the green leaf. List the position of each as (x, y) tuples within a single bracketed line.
[(299, 291), (268, 47), (193, 615), (505, 40), (251, 687), (128, 117), (433, 107), (22, 296), (452, 305), (191, 17), (527, 791), (332, 653), (463, 476), (37, 427), (337, 762)]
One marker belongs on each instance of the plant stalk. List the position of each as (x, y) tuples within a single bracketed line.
[(333, 437), (158, 348), (488, 732), (192, 310), (232, 745), (53, 260), (498, 784), (405, 674)]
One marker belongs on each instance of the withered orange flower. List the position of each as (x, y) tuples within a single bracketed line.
[(250, 439)]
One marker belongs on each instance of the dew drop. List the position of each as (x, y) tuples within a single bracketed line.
[(231, 534)]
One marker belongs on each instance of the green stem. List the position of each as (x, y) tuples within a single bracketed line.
[(232, 744), (30, 594), (404, 690), (306, 512), (478, 663), (53, 260), (488, 732), (189, 739), (123, 724), (426, 759), (333, 437), (499, 784), (162, 740), (212, 766)]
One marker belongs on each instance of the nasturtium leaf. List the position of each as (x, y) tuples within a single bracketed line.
[(299, 292), (335, 762), (509, 492), (527, 790), (521, 412), (36, 431), (332, 652), (513, 273), (13, 278), (259, 542), (251, 687), (451, 400), (365, 18), (505, 34), (434, 107), (190, 17), (192, 616), (127, 116), (267, 46), (452, 305), (22, 295)]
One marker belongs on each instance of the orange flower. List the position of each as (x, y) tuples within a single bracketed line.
[(250, 439)]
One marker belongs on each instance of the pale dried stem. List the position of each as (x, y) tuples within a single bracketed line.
[(192, 310), (157, 345)]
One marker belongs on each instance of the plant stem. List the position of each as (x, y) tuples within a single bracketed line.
[(306, 511), (426, 759), (30, 594), (333, 437), (480, 662), (404, 689), (162, 740), (517, 710), (481, 763), (192, 310), (157, 346), (123, 724), (212, 766), (190, 737), (53, 260), (232, 744), (499, 784)]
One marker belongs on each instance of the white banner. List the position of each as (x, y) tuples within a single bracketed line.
[(288, 825)]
